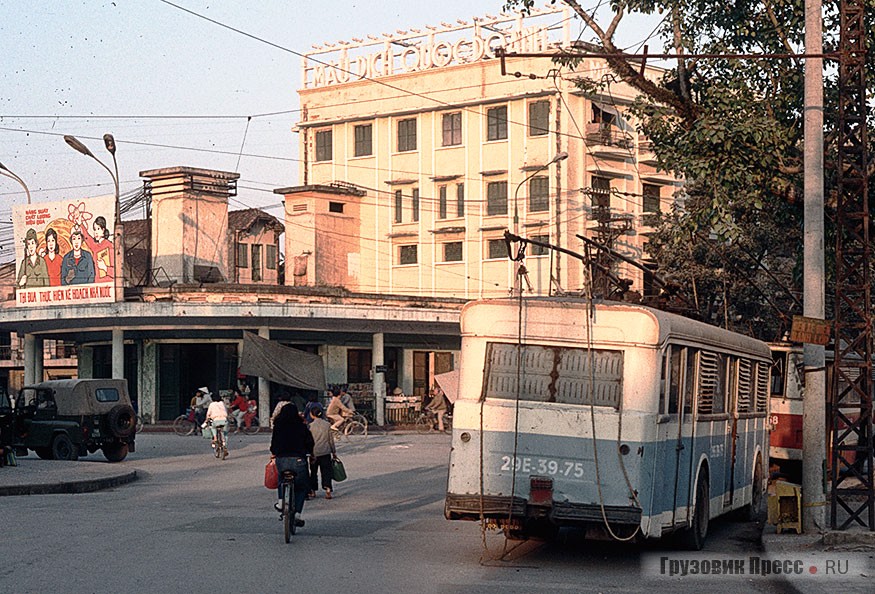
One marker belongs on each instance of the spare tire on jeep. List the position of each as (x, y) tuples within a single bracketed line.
[(121, 420)]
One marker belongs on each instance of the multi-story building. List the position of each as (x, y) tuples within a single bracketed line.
[(419, 151), (439, 147)]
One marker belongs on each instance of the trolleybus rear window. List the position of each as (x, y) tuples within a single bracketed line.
[(554, 374)]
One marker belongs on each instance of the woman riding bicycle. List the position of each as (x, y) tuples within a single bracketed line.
[(291, 443), (217, 416)]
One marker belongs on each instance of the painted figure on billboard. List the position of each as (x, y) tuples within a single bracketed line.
[(33, 271), (52, 258), (77, 268), (101, 248)]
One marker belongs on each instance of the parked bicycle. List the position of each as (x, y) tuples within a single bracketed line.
[(427, 421)]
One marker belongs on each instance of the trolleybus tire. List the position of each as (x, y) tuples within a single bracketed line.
[(693, 538)]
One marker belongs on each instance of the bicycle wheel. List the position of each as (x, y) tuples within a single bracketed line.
[(253, 427), (288, 523), (182, 426), (355, 429), (220, 442), (423, 424), (448, 424)]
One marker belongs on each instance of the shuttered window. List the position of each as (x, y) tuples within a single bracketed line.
[(745, 385), (554, 374)]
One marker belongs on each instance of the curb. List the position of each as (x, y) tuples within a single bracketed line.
[(85, 486)]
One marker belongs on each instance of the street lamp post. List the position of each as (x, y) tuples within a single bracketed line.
[(109, 142), (561, 156), (5, 171)]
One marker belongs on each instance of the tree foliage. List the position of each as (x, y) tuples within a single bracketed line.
[(732, 128)]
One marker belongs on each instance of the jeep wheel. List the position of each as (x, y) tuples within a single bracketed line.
[(63, 449), (44, 453), (122, 420), (115, 452)]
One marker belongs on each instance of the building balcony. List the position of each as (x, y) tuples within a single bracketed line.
[(648, 222), (646, 153), (608, 140)]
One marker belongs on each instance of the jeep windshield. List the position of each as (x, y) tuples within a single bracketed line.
[(36, 398)]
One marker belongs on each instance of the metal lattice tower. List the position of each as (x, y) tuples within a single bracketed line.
[(851, 471)]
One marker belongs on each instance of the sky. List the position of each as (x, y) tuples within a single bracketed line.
[(173, 88)]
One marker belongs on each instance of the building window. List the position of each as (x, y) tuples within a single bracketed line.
[(601, 192), (453, 251), (539, 194), (496, 123), (539, 118), (414, 203), (323, 145), (407, 135), (399, 206), (538, 250), (407, 254), (270, 259), (496, 249), (600, 116), (442, 202), (256, 262), (362, 135), (651, 197), (452, 129), (460, 200), (496, 198), (335, 207), (242, 255), (358, 366)]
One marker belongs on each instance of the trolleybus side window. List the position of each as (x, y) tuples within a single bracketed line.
[(712, 383), (690, 383), (554, 374), (762, 390), (745, 384), (675, 364)]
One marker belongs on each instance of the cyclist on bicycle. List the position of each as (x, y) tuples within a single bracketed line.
[(291, 443), (217, 415), (239, 405), (337, 410)]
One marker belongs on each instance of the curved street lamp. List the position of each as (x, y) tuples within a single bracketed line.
[(560, 156), (109, 142), (5, 171)]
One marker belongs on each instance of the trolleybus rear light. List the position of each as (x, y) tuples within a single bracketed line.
[(540, 490)]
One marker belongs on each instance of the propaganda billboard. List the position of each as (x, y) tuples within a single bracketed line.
[(64, 252)]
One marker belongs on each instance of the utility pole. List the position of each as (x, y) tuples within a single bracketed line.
[(814, 401)]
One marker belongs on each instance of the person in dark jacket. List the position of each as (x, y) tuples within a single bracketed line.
[(291, 443)]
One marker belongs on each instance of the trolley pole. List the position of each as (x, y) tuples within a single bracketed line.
[(814, 401)]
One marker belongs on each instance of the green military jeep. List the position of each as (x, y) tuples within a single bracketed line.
[(65, 419)]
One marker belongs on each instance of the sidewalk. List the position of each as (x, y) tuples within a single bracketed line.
[(33, 476), (822, 552)]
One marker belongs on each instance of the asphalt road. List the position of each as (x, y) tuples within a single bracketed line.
[(195, 524)]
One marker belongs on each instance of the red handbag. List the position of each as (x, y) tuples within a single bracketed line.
[(271, 476)]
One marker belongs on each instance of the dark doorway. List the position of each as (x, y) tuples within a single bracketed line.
[(183, 368)]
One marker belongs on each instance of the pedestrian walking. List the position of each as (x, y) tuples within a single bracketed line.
[(323, 454)]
